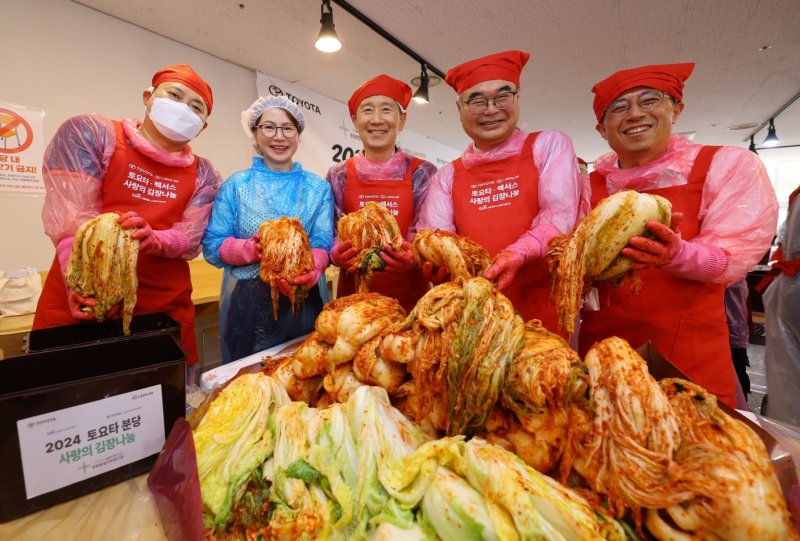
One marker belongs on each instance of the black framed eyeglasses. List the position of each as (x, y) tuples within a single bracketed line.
[(271, 130), (647, 101), (503, 100)]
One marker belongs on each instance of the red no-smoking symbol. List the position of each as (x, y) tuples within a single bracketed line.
[(15, 132)]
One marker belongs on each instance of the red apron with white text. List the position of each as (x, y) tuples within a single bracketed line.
[(159, 194), (398, 195), (494, 203), (685, 319)]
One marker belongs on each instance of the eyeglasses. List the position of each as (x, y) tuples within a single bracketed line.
[(271, 130), (647, 101), (503, 100)]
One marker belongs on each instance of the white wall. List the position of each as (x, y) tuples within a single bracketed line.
[(67, 59), (783, 167)]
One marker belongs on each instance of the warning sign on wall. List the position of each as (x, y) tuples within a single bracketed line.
[(21, 149)]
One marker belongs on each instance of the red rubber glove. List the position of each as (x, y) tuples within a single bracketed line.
[(343, 254), (504, 268), (437, 276), (311, 278), (401, 260), (77, 303), (131, 220), (647, 252)]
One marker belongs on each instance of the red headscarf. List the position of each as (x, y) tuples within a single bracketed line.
[(382, 85), (505, 66), (184, 74), (667, 78)]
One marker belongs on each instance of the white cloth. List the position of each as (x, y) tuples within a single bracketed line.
[(782, 311), (19, 292)]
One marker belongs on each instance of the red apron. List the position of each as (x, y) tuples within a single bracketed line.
[(159, 193), (494, 203), (398, 195), (685, 319)]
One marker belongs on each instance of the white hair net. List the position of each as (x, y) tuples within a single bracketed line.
[(252, 114)]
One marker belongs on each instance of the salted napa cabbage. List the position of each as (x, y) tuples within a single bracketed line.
[(592, 251), (382, 433), (233, 439), (488, 336), (520, 503), (456, 510), (102, 265), (286, 254), (369, 229)]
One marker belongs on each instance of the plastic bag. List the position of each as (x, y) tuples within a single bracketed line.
[(19, 291)]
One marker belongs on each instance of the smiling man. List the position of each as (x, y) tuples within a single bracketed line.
[(724, 217), (511, 191), (147, 172), (383, 173)]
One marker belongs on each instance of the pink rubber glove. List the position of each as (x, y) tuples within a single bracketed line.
[(401, 260), (659, 251), (343, 254), (169, 243), (437, 276), (697, 261), (238, 252), (504, 268), (310, 279), (63, 251)]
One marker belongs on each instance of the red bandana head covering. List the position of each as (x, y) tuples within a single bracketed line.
[(667, 78), (382, 85), (184, 74), (505, 66)]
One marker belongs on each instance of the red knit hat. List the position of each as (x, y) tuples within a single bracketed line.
[(667, 78), (505, 66), (382, 85), (183, 73)]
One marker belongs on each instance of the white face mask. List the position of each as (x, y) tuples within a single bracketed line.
[(175, 120)]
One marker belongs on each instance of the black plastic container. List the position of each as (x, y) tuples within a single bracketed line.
[(48, 381), (70, 335)]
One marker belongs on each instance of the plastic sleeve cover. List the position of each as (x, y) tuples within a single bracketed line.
[(75, 162), (235, 251)]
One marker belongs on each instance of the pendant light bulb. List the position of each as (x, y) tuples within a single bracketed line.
[(421, 95), (772, 138), (327, 40)]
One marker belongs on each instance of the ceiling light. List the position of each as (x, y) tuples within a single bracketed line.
[(327, 40), (772, 138), (744, 126), (421, 95), (752, 147)]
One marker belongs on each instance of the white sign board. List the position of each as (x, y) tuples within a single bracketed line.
[(330, 136), (21, 149), (69, 445)]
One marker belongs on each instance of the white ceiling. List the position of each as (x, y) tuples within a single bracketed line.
[(574, 43)]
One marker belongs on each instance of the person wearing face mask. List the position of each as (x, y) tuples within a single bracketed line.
[(274, 186), (510, 190), (383, 173), (724, 217), (148, 173)]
